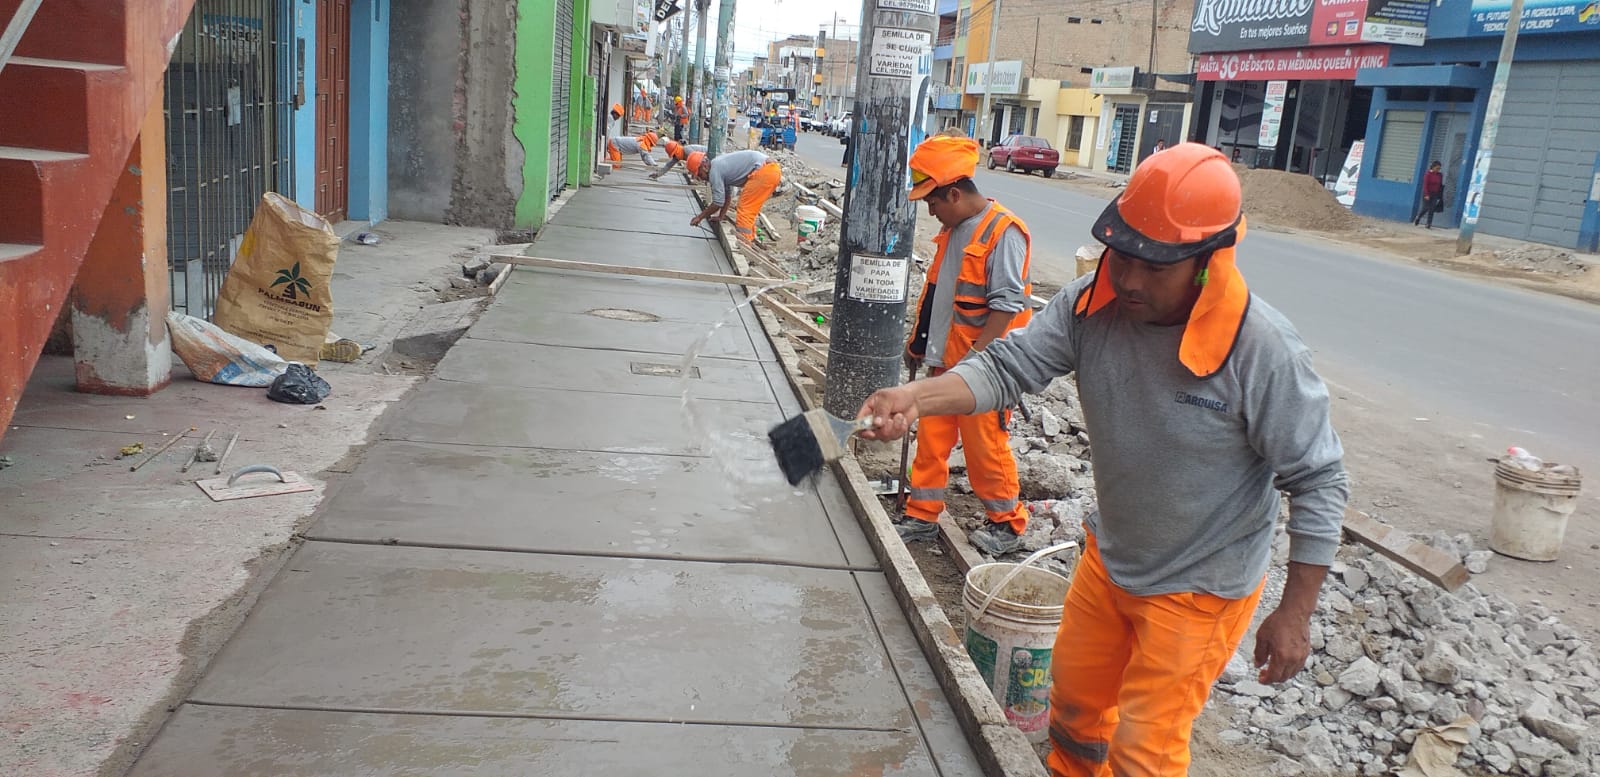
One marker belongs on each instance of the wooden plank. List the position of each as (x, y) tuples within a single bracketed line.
[(805, 325), (820, 354), (771, 230), (1427, 562), (809, 308), (815, 373), (644, 272), (959, 547)]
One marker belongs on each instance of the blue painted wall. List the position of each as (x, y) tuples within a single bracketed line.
[(369, 111), (1398, 201), (304, 55)]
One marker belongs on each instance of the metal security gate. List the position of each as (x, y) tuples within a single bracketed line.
[(1542, 170), (1448, 146), (560, 97), (228, 110), (1124, 130)]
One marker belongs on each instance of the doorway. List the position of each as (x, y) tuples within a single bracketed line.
[(1448, 145), (333, 108)]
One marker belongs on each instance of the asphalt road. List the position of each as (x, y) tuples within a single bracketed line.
[(1515, 366)]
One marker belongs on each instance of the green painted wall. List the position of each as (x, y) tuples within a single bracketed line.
[(580, 146), (530, 107)]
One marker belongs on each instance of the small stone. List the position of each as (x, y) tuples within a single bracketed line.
[(1342, 648), (1361, 678), (1356, 579), (1383, 704), (1253, 688), (1478, 561), (1049, 423), (1233, 738), (1539, 719), (1441, 664), (79, 561), (470, 268), (1323, 678), (1335, 698)]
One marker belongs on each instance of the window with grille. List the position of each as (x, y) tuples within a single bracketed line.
[(1402, 142)]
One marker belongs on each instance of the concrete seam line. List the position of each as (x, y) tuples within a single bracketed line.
[(528, 550), (1002, 750)]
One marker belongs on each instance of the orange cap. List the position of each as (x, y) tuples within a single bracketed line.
[(696, 159), (940, 161), (675, 150), (1179, 203), (616, 110)]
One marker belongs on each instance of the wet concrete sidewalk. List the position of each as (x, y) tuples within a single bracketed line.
[(539, 568)]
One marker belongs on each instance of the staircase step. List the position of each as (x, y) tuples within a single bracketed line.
[(24, 175), (9, 251), (70, 88), (91, 30), (39, 154)]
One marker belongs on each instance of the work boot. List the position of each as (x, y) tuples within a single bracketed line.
[(996, 539), (915, 529)]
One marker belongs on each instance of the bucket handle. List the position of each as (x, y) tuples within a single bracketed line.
[(1027, 562)]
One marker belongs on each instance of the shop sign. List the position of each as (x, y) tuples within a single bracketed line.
[(1272, 113), (1317, 64), (1111, 79), (1245, 25), (1489, 17), (1007, 77), (666, 9), (1400, 22)]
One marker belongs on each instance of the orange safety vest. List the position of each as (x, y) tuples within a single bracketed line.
[(972, 286)]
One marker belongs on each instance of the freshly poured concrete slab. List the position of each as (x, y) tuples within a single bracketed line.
[(203, 741), (673, 220), (599, 291), (615, 203), (476, 414), (382, 628), (632, 249), (624, 504), (622, 372), (615, 328)]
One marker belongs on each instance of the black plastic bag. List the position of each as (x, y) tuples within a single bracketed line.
[(300, 385)]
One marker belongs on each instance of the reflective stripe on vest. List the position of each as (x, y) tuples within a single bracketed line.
[(971, 301)]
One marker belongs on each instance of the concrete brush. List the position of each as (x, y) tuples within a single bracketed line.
[(810, 441)]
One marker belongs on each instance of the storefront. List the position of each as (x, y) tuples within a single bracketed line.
[(1544, 182), (1276, 87), (1135, 117)]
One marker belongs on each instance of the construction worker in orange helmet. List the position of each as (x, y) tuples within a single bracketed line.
[(1204, 406), (616, 111), (752, 172), (617, 146), (677, 152), (977, 290)]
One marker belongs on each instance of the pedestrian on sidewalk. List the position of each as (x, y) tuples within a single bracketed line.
[(1432, 194), (976, 291), (752, 172), (617, 146), (1203, 405), (677, 152)]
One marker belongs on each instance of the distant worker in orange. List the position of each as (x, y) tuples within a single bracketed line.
[(1205, 411), (616, 147), (752, 172), (680, 123), (976, 291), (677, 152)]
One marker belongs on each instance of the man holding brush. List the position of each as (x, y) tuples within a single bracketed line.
[(1202, 405)]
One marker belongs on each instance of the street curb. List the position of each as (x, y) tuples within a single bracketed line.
[(1001, 749)]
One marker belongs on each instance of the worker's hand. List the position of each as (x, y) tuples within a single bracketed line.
[(695, 222), (655, 175), (893, 409), (1282, 644)]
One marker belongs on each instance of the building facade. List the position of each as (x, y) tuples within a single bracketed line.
[(1430, 103)]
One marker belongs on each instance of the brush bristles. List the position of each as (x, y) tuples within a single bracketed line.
[(799, 452)]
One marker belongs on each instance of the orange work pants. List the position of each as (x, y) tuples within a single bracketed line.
[(612, 152), (990, 466), (1129, 674), (757, 188)]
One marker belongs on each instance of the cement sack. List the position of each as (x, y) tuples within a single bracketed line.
[(216, 356), (277, 292)]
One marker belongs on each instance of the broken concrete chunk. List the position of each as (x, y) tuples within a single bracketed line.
[(1361, 678)]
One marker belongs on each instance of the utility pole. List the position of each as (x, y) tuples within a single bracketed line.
[(697, 113), (879, 225), (1491, 128), (719, 99), (986, 117), (683, 57)]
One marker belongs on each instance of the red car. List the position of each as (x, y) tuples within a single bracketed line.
[(1025, 153)]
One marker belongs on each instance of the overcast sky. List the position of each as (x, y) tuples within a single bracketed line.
[(759, 22)]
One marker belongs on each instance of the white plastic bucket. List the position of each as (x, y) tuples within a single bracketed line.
[(1531, 510), (1010, 640), (810, 221)]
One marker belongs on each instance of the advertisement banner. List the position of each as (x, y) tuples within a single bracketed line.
[(1272, 113), (1238, 25), (1333, 63), (1489, 16), (1007, 77), (1104, 79), (1349, 175), (1401, 22)]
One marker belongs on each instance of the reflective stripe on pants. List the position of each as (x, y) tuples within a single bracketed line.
[(1130, 673), (757, 188), (990, 467)]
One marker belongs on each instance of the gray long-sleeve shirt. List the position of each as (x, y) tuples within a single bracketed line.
[(1005, 281), (628, 145), (1187, 470), (672, 161), (731, 170)]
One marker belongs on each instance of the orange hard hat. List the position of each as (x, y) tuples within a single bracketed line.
[(694, 162), (1182, 202), (616, 110), (675, 150), (648, 140), (940, 161)]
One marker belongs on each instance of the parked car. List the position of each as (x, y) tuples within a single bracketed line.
[(840, 126), (807, 123), (1025, 153)]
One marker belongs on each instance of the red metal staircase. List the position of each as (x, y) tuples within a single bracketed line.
[(72, 100)]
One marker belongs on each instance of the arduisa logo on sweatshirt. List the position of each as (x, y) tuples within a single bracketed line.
[(1185, 398)]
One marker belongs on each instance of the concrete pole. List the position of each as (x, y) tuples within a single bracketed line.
[(696, 113), (719, 94), (985, 116), (683, 55), (879, 225), (1491, 127)]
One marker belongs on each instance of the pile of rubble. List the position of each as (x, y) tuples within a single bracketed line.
[(1542, 259), (1401, 671)]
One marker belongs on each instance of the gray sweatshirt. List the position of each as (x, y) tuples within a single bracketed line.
[(1187, 470)]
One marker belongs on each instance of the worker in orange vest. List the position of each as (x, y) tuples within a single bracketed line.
[(680, 123), (1205, 410), (752, 172), (976, 291)]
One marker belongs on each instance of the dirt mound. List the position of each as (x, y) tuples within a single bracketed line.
[(1542, 259), (1293, 200)]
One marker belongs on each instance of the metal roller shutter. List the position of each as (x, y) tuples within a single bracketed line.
[(560, 97), (1544, 152)]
